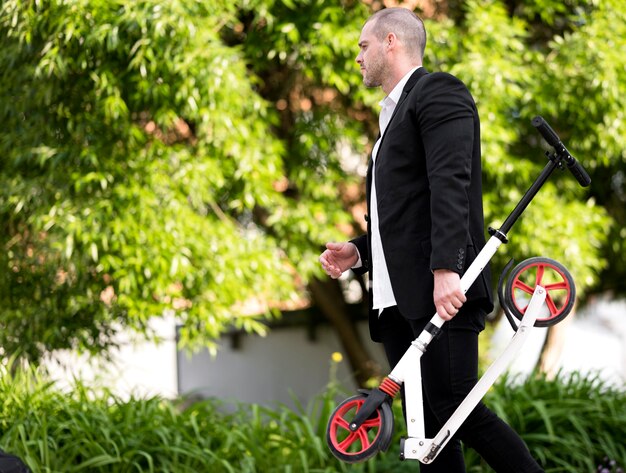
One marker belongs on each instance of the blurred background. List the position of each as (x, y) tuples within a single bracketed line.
[(170, 171)]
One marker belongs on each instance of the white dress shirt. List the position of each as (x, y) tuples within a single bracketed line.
[(382, 292)]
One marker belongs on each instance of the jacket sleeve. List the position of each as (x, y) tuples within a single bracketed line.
[(446, 115), (362, 246)]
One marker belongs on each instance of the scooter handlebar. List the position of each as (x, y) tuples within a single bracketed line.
[(579, 172), (553, 140), (546, 131)]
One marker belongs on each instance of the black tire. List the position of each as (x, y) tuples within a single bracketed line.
[(553, 277), (371, 437)]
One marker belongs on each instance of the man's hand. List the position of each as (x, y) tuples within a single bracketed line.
[(447, 295), (338, 257)]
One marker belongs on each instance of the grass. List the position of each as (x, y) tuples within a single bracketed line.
[(570, 425)]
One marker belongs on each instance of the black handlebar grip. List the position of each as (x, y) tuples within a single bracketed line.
[(553, 140), (579, 172), (546, 131)]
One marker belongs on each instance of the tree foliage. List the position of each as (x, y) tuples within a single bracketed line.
[(191, 157), (135, 153)]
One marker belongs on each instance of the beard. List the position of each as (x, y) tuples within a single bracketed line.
[(374, 71)]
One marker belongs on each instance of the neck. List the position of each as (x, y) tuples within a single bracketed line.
[(396, 76)]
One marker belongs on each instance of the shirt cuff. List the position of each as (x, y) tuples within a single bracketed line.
[(359, 263)]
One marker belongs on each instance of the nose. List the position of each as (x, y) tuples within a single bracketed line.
[(359, 58)]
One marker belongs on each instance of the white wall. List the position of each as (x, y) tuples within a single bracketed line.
[(272, 369), (137, 368)]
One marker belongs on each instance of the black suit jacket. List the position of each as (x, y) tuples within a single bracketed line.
[(429, 193)]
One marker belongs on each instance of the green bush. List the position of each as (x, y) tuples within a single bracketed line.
[(570, 425), (96, 431)]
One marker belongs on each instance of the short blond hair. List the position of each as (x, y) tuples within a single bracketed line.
[(406, 25)]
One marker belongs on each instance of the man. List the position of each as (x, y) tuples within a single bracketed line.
[(425, 227)]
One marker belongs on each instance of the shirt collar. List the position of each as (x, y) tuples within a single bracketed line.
[(394, 96)]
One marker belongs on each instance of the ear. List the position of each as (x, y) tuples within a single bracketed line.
[(390, 40)]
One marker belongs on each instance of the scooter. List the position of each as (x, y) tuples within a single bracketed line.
[(539, 292)]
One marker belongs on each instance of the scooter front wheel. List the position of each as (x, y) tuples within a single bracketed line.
[(371, 437), (549, 274)]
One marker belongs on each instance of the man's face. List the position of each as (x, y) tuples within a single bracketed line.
[(371, 57)]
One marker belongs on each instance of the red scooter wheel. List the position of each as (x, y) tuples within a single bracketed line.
[(553, 277), (371, 437)]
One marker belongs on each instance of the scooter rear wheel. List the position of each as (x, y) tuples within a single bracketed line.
[(371, 437), (553, 277)]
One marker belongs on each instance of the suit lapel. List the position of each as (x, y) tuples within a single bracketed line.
[(368, 179), (415, 77)]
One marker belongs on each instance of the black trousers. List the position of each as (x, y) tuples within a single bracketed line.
[(449, 372)]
